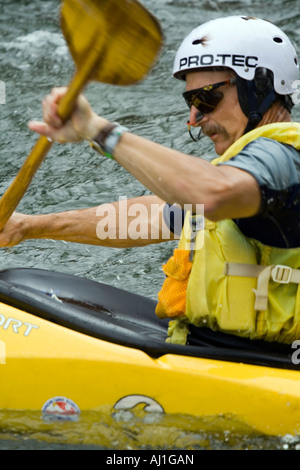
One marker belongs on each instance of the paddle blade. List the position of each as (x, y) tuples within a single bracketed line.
[(127, 36)]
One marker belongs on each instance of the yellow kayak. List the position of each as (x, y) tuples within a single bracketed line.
[(70, 345)]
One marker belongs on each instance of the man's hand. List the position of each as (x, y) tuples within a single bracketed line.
[(83, 124), (14, 231)]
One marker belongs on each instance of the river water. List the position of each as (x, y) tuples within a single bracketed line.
[(34, 58)]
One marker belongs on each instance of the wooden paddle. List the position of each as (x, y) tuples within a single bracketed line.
[(111, 41)]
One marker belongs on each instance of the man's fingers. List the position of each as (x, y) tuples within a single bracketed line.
[(50, 114), (44, 129), (53, 127), (40, 127)]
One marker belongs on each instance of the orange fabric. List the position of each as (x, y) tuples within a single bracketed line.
[(172, 296)]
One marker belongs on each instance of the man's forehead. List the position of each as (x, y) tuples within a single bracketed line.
[(208, 76)]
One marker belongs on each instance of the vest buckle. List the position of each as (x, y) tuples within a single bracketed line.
[(281, 274)]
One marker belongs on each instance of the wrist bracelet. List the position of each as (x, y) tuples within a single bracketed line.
[(108, 138)]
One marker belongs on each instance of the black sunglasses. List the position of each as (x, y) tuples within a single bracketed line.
[(207, 98)]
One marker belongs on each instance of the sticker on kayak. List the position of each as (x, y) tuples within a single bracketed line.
[(137, 406), (60, 408)]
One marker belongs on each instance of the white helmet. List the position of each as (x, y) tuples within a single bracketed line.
[(261, 55), (242, 44)]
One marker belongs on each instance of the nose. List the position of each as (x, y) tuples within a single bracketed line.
[(195, 116)]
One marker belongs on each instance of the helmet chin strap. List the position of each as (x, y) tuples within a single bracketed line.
[(256, 110), (256, 96)]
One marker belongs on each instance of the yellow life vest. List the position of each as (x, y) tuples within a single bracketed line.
[(234, 284)]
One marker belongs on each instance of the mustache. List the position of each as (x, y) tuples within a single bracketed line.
[(210, 130)]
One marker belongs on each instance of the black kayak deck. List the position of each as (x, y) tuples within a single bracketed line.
[(125, 318)]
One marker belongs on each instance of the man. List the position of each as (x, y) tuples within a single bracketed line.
[(239, 275)]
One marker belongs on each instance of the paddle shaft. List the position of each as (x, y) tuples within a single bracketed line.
[(18, 187)]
